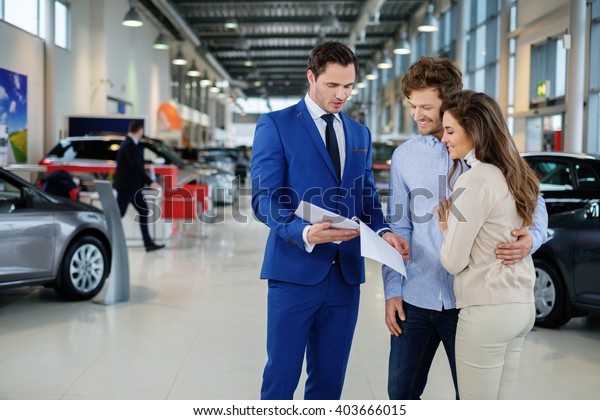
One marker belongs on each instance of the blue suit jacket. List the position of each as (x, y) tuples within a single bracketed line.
[(290, 163)]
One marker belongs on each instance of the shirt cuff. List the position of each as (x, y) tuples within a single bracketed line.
[(307, 247), (383, 231)]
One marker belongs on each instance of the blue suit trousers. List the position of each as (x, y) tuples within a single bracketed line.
[(317, 320)]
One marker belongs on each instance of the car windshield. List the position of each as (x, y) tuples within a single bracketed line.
[(165, 152)]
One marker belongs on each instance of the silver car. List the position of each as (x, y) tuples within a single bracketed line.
[(51, 241)]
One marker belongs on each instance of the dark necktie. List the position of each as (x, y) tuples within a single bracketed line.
[(332, 144)]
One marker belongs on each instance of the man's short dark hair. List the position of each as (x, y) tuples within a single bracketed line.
[(135, 126), (328, 53)]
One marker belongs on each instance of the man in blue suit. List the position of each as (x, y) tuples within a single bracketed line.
[(313, 152)]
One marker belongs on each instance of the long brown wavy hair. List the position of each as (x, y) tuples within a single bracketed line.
[(481, 118)]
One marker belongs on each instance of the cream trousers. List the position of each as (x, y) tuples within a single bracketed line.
[(489, 339)]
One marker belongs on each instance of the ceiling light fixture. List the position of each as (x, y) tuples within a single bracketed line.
[(214, 88), (385, 62), (402, 46), (179, 59), (205, 81), (160, 43), (372, 74), (430, 22), (231, 23), (193, 71), (132, 18)]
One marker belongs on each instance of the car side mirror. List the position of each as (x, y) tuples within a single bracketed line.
[(28, 197), (592, 210)]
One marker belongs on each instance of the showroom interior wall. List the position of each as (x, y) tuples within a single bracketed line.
[(23, 53), (111, 60), (105, 60)]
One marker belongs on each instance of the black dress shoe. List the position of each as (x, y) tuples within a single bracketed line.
[(153, 247)]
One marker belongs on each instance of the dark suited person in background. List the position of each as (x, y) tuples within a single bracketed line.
[(131, 178), (311, 151)]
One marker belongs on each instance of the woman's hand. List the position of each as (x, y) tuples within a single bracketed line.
[(442, 212)]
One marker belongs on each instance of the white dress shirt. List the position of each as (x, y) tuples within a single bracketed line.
[(316, 112)]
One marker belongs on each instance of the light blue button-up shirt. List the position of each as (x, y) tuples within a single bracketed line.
[(418, 179)]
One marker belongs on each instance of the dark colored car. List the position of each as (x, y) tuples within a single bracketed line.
[(51, 241), (567, 265), (567, 180)]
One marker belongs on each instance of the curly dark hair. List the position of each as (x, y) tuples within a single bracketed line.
[(432, 72)]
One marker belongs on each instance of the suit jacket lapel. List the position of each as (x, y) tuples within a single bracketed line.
[(349, 146), (306, 120)]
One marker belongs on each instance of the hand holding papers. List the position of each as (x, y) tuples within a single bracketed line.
[(371, 244), (376, 248), (314, 214)]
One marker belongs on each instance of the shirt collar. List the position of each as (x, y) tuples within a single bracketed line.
[(135, 140), (315, 110), (471, 160)]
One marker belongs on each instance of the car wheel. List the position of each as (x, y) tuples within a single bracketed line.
[(550, 296), (83, 270)]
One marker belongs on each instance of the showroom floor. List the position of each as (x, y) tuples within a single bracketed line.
[(195, 329)]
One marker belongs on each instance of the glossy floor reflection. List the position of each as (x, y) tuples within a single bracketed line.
[(195, 329)]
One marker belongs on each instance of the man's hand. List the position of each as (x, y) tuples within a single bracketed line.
[(320, 233), (399, 243), (512, 252), (394, 309), (442, 212)]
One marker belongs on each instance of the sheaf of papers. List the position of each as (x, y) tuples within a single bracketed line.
[(371, 244), (376, 248), (314, 214)]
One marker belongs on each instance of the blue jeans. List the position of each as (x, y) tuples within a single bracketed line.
[(411, 354)]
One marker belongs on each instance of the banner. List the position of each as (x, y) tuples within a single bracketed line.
[(13, 117)]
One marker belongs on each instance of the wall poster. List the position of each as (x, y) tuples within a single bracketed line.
[(13, 117)]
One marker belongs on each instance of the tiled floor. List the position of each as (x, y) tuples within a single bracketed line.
[(195, 329)]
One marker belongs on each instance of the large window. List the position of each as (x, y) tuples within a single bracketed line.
[(593, 138), (23, 13), (29, 15), (512, 67), (482, 46), (447, 33), (548, 70), (62, 24)]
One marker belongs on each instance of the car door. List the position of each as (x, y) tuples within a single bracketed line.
[(557, 183), (587, 257), (27, 234)]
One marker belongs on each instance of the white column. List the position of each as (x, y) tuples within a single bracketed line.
[(50, 134), (503, 56), (573, 140)]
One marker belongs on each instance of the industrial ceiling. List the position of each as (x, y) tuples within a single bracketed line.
[(263, 45)]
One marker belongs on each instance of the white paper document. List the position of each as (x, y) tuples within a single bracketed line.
[(371, 244), (314, 214), (376, 248)]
